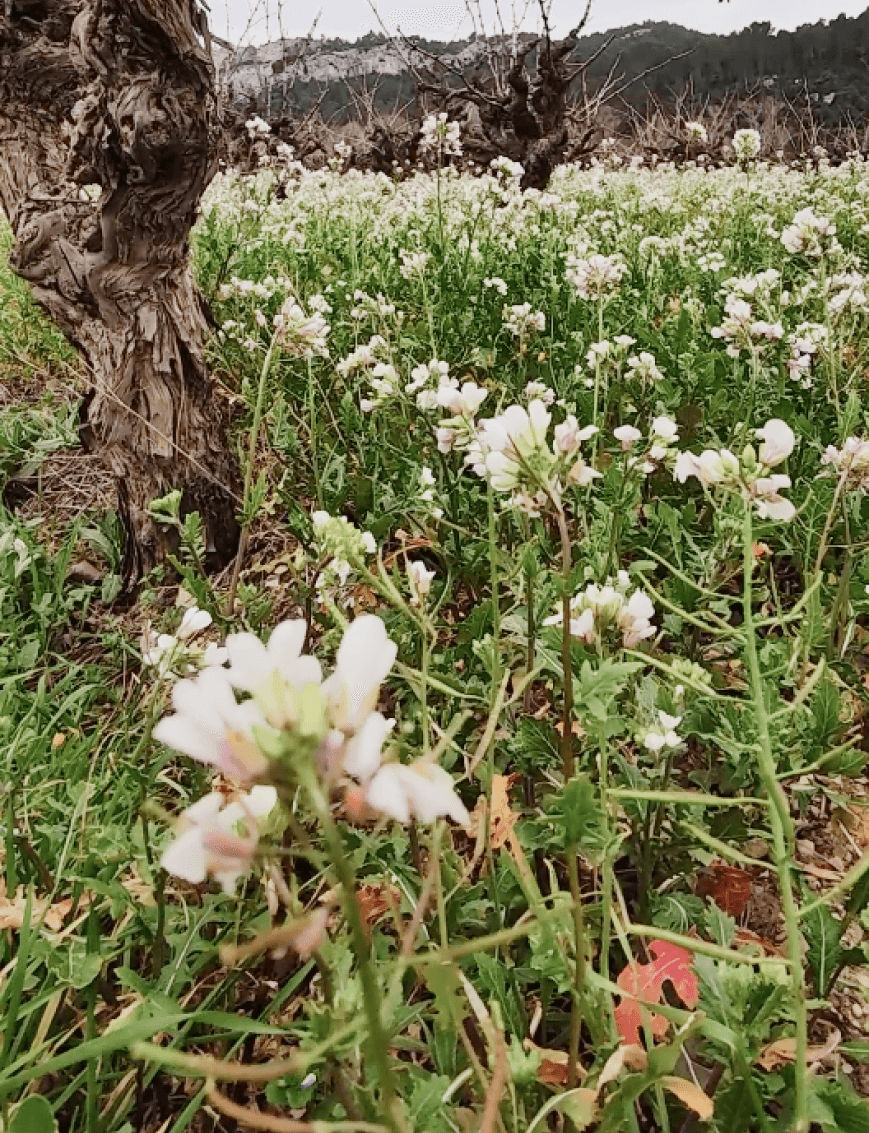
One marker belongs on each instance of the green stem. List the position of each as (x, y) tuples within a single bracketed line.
[(248, 472), (607, 878), (158, 875), (783, 836), (496, 608), (840, 602), (423, 697), (597, 378), (312, 433), (378, 1039), (568, 764), (828, 525)]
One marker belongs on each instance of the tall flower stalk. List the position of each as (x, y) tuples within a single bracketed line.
[(783, 833)]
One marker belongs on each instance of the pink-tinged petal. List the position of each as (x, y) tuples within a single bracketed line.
[(228, 847), (248, 716), (286, 642), (386, 793), (363, 753), (215, 687), (205, 810), (781, 510), (366, 650), (248, 661), (433, 794), (261, 801), (228, 878), (778, 442), (182, 734), (208, 700), (189, 701), (186, 857), (365, 656)]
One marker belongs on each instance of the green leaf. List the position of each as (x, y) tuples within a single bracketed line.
[(424, 1101), (597, 686), (74, 965), (535, 744), (33, 1116), (719, 925), (495, 980), (733, 1107), (523, 1064), (167, 509), (825, 709), (580, 1106), (841, 1110), (858, 898), (581, 815), (823, 935)]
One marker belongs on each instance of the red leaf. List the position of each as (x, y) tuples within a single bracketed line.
[(729, 887), (646, 981)]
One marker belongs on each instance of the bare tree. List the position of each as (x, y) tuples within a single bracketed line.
[(512, 107), (108, 117)]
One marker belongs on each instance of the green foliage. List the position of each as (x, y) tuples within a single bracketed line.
[(475, 940), (33, 1116), (578, 810)]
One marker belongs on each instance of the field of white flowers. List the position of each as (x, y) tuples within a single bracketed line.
[(516, 779)]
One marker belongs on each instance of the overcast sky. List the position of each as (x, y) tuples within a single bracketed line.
[(447, 19)]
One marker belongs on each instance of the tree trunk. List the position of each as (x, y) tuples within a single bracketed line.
[(108, 117)]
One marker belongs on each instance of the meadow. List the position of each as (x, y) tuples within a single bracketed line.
[(516, 780)]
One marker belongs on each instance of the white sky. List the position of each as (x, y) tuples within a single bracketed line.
[(447, 19)]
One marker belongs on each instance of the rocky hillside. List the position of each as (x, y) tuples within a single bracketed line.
[(823, 63)]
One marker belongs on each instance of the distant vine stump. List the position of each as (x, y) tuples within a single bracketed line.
[(108, 123)]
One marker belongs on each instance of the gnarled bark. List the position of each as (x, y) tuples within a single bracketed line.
[(108, 118)]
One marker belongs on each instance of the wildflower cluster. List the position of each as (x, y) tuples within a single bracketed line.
[(462, 404), (746, 145), (515, 454), (595, 277), (811, 235), (597, 609), (660, 444), (521, 321), (182, 651), (295, 724), (806, 343), (440, 135), (300, 334), (751, 474), (341, 547), (742, 331), (851, 461)]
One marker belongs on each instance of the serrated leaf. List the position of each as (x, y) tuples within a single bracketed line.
[(733, 1107), (848, 1111), (582, 818), (495, 981), (825, 709), (535, 743), (823, 935), (673, 965), (596, 687)]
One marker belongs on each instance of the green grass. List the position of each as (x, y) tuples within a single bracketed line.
[(29, 343)]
